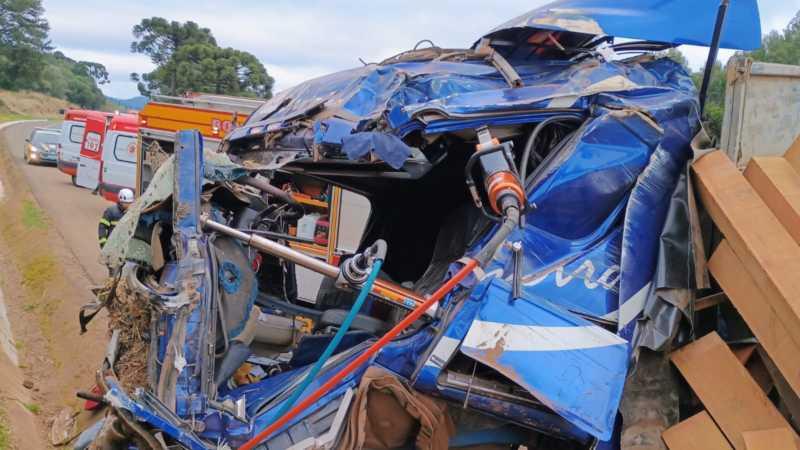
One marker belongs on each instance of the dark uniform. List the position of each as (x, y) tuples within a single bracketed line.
[(107, 223)]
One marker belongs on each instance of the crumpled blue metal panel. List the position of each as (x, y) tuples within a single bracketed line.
[(584, 281), (461, 94), (610, 211), (672, 21), (190, 334), (571, 246), (574, 367)]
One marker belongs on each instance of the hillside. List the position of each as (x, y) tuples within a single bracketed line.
[(28, 104), (133, 103)]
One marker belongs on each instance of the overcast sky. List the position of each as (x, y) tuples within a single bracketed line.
[(298, 40)]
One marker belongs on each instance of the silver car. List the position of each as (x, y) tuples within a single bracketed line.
[(40, 147)]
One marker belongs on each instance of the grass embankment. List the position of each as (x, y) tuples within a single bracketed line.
[(24, 105), (37, 291), (24, 229)]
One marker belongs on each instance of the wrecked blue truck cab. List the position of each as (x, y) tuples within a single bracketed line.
[(543, 171)]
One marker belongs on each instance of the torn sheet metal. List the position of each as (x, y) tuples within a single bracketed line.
[(673, 21), (594, 243), (436, 97), (122, 245), (572, 248), (574, 367)]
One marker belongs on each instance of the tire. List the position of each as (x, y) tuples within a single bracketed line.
[(75, 181)]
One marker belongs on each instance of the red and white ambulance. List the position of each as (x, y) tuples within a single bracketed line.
[(119, 156), (72, 131)]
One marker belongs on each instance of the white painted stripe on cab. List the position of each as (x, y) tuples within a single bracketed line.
[(629, 310), (484, 335)]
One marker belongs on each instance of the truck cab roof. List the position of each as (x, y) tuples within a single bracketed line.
[(125, 122), (80, 115)]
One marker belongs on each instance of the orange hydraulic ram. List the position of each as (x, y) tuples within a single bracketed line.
[(364, 357)]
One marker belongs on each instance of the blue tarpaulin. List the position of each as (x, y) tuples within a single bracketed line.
[(671, 21)]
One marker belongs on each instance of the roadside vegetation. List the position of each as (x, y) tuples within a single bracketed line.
[(28, 61), (186, 56), (5, 435), (188, 59), (781, 47), (20, 105)]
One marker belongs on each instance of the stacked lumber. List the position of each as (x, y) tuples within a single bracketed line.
[(757, 265)]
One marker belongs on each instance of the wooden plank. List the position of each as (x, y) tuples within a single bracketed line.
[(698, 432), (756, 368), (793, 154), (727, 391), (744, 353), (778, 184), (762, 319), (768, 252), (789, 399), (774, 439), (709, 300)]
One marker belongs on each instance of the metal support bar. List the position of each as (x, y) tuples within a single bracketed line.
[(274, 248), (382, 289), (712, 53)]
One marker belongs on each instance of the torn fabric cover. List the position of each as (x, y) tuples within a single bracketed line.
[(674, 283), (388, 147), (672, 21)]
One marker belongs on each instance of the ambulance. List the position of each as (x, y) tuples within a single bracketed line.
[(118, 156), (72, 131)]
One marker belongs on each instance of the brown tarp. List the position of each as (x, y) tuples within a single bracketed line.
[(387, 414)]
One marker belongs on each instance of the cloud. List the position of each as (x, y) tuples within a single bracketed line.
[(300, 40)]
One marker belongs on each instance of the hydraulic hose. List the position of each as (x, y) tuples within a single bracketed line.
[(526, 153), (264, 186), (364, 357), (510, 222), (337, 338)]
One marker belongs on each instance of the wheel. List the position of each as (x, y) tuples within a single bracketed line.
[(75, 181)]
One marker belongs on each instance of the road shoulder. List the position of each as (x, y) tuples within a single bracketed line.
[(44, 288)]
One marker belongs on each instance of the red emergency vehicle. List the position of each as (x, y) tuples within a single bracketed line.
[(72, 131), (118, 156)]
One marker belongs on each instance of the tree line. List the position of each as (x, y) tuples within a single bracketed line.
[(781, 47), (188, 59), (29, 62), (186, 56)]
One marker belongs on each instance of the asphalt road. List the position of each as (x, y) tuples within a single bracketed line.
[(74, 211)]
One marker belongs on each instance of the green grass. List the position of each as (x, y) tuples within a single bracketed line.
[(33, 407), (10, 117), (32, 216), (5, 434), (37, 273)]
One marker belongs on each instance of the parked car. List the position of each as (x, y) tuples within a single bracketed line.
[(42, 145)]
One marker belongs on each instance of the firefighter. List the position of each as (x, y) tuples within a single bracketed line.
[(112, 215)]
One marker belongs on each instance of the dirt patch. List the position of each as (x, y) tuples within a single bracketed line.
[(44, 289), (30, 104)]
